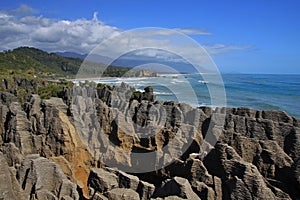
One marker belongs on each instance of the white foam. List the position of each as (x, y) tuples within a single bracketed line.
[(163, 93)]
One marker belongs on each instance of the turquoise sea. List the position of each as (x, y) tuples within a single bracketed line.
[(257, 91)]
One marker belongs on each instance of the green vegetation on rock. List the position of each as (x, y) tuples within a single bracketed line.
[(53, 89)]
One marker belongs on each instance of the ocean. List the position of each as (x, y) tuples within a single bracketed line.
[(257, 91)]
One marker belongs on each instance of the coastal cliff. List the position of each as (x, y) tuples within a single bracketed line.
[(45, 155)]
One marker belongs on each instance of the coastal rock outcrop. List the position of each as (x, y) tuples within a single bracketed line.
[(9, 186), (35, 178), (44, 128), (41, 178), (66, 148)]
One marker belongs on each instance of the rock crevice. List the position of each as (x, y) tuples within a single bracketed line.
[(44, 155)]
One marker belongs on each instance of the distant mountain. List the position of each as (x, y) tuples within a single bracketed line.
[(71, 55), (134, 61), (170, 66)]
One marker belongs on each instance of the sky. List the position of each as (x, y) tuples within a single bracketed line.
[(240, 36)]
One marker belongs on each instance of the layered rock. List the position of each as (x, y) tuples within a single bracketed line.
[(41, 178), (44, 128), (57, 149), (114, 184), (10, 188), (176, 187)]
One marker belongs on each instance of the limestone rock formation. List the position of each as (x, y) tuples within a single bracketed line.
[(9, 186), (102, 181), (41, 178), (44, 128), (176, 187), (68, 147)]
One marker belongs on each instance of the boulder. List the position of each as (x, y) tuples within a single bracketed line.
[(148, 95), (102, 180), (176, 187), (128, 181)]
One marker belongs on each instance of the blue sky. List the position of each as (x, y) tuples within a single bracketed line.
[(242, 36)]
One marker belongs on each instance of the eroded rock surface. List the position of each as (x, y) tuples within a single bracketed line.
[(55, 149)]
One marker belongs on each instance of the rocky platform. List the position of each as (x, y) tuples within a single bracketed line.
[(53, 148)]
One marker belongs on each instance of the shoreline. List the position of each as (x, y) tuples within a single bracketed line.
[(258, 92)]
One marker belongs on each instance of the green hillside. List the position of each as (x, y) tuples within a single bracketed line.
[(25, 58), (41, 63)]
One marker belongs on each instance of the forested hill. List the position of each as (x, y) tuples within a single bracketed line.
[(27, 58), (31, 59)]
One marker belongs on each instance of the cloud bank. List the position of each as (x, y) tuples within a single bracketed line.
[(22, 27), (79, 36)]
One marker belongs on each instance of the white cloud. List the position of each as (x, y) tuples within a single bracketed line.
[(166, 32), (20, 28), (190, 31), (81, 35), (221, 48)]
